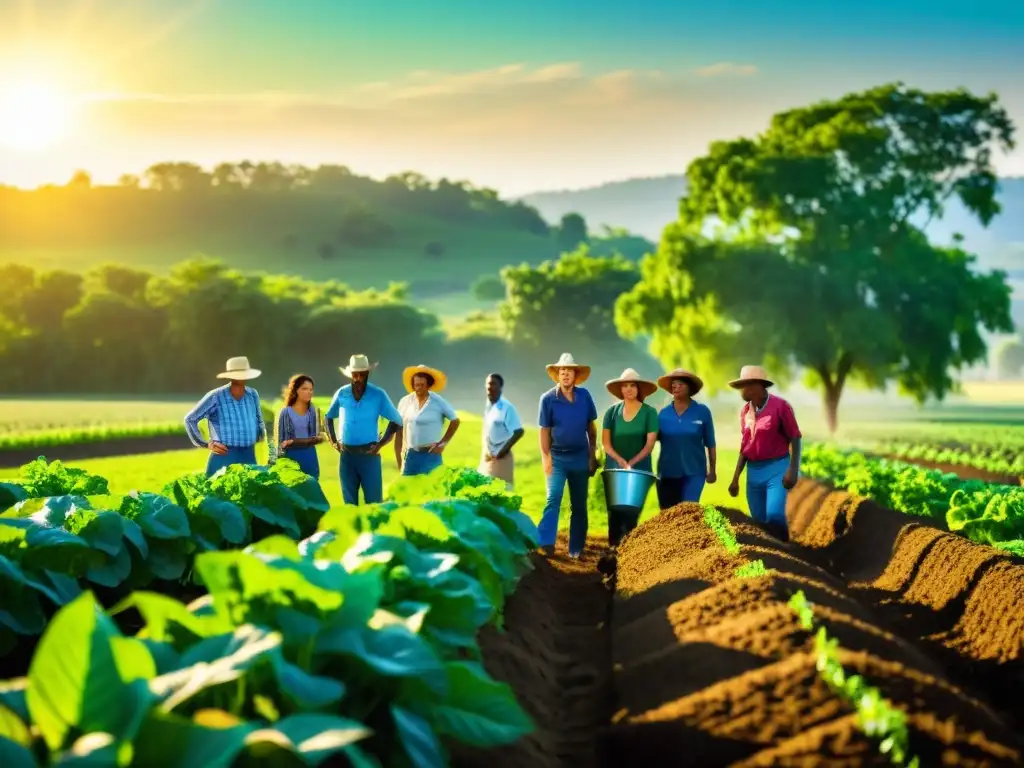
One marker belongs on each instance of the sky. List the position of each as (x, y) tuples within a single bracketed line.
[(519, 96)]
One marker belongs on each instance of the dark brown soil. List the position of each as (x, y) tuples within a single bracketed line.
[(124, 446), (555, 653), (717, 668), (959, 601)]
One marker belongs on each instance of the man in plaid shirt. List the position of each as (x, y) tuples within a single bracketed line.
[(234, 417)]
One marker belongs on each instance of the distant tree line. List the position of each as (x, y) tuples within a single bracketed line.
[(117, 329)]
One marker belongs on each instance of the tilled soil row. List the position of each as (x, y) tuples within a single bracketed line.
[(555, 653), (960, 602), (711, 669)]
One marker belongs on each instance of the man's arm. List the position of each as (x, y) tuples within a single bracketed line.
[(399, 436), (792, 431), (261, 425), (453, 421), (545, 422), (507, 447), (333, 410), (389, 412), (515, 426), (203, 410)]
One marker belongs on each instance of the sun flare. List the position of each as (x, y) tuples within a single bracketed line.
[(33, 116)]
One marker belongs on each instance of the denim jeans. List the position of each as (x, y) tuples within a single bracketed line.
[(420, 462), (233, 456), (360, 470), (578, 481), (306, 458), (766, 496)]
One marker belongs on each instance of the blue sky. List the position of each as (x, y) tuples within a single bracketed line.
[(518, 96)]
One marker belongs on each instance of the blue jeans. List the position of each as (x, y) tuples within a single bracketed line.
[(766, 496), (420, 462), (360, 470), (306, 458), (578, 481), (676, 490), (233, 456)]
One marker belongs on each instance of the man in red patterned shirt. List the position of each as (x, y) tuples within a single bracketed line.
[(769, 449)]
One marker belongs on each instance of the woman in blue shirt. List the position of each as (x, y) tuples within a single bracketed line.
[(298, 425), (685, 431)]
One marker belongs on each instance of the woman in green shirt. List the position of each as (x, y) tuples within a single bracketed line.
[(630, 431)]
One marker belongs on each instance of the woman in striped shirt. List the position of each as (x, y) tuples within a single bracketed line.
[(298, 425)]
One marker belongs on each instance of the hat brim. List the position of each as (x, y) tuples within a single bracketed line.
[(440, 379), (695, 382), (248, 373), (349, 371), (644, 387), (582, 372), (740, 383)]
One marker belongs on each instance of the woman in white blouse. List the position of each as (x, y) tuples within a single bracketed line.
[(418, 447)]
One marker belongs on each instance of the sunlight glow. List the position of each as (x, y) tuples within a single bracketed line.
[(33, 116)]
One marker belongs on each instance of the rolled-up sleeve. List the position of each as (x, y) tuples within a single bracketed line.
[(204, 409), (544, 420), (447, 411)]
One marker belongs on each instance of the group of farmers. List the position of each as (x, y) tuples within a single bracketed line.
[(423, 423)]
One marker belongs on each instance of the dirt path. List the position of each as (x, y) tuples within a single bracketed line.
[(718, 668), (960, 470), (555, 653)]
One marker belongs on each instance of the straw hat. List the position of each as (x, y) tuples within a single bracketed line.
[(567, 361), (237, 369), (440, 380), (644, 387), (691, 378), (751, 373), (358, 364)]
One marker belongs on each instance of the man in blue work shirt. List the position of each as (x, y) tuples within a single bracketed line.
[(233, 416), (358, 407), (568, 445)]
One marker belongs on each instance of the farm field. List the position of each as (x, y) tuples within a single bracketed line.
[(150, 472)]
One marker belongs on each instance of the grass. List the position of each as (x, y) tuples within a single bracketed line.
[(22, 415), (151, 472)]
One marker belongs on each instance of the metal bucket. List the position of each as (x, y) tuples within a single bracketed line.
[(625, 490)]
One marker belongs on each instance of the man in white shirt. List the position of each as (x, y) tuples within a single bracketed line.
[(423, 413), (502, 430)]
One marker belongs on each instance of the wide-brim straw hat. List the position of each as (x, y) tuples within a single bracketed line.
[(440, 379), (238, 369), (567, 361), (358, 364), (749, 374), (696, 382), (630, 376)]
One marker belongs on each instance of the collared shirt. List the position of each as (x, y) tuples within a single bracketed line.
[(234, 423), (424, 426), (568, 421), (501, 420), (359, 420), (684, 439), (766, 432)]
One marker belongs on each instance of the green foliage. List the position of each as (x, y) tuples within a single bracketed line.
[(876, 717), (565, 300), (983, 512), (488, 289), (572, 232), (752, 570), (723, 530), (1009, 359), (797, 248), (358, 640)]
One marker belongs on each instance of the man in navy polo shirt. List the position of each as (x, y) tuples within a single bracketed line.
[(568, 444)]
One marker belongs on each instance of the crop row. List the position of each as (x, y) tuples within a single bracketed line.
[(50, 438), (348, 631), (986, 513), (995, 459)]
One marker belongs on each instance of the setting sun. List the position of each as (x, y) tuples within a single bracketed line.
[(33, 116)]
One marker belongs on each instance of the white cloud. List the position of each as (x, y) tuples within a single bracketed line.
[(724, 68)]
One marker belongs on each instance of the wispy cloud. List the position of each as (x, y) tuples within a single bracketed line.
[(724, 68)]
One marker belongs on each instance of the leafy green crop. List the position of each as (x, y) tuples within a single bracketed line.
[(717, 522), (877, 718), (359, 639), (987, 513)]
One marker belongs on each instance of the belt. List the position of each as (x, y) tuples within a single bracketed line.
[(364, 448), (421, 449)]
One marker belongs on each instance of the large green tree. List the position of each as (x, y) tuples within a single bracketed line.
[(799, 247)]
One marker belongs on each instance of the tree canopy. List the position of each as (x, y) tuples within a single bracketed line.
[(797, 248)]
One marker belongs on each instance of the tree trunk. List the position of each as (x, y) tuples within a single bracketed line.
[(832, 396)]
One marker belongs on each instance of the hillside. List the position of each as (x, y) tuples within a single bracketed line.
[(324, 223)]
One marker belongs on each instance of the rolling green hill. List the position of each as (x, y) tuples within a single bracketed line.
[(325, 223)]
